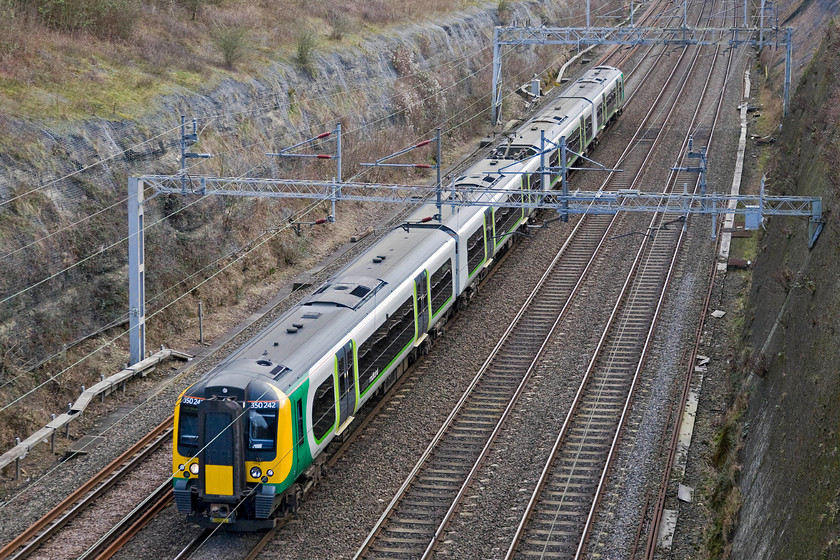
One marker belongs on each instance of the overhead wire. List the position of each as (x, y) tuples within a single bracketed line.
[(20, 292), (311, 207), (119, 242), (85, 168)]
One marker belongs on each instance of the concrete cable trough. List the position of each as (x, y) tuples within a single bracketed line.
[(101, 389)]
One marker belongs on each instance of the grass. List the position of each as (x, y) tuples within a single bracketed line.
[(100, 89), (46, 46), (305, 50), (721, 490)]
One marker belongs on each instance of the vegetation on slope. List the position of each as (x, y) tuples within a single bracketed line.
[(75, 58), (777, 456), (63, 263)]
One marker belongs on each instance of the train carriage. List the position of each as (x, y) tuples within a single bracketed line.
[(250, 436)]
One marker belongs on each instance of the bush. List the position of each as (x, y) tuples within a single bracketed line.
[(104, 18), (306, 42), (231, 42), (503, 8), (340, 24)]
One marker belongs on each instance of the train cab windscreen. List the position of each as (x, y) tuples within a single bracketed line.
[(188, 430), (262, 429)]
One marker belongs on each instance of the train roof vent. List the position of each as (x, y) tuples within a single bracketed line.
[(279, 370), (311, 314), (361, 291), (350, 292)]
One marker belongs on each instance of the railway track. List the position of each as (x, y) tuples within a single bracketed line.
[(557, 517), (412, 521), (56, 519), (410, 528), (561, 511), (417, 516)]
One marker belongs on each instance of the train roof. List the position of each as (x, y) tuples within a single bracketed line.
[(294, 343), (519, 153), (285, 352)]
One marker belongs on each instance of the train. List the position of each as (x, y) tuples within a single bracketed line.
[(250, 436)]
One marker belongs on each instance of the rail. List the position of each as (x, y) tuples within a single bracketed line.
[(101, 389)]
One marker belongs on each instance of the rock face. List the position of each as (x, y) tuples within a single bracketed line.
[(790, 482), (64, 183)]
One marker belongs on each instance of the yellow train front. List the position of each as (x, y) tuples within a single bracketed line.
[(232, 456)]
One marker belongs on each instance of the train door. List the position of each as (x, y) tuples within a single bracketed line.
[(222, 461), (422, 298), (300, 436), (582, 134), (346, 384), (489, 241)]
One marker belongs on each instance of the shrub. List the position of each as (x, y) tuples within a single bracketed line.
[(231, 42), (503, 9), (340, 24), (306, 42), (104, 18)]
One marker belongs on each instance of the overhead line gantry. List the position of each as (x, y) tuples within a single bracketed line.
[(683, 35)]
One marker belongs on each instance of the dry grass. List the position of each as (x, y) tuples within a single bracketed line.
[(45, 43)]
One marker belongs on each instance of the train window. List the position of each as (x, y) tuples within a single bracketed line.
[(506, 217), (385, 344), (573, 143), (262, 428), (475, 250), (323, 409), (441, 284), (188, 430)]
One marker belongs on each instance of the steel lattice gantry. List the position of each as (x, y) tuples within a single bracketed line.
[(753, 207), (732, 36)]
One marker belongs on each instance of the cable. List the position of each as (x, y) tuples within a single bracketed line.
[(85, 168), (111, 246), (108, 343), (150, 316), (64, 228), (451, 117), (87, 258)]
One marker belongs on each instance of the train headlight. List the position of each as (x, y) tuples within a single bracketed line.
[(269, 473), (181, 467), (256, 472), (194, 468)]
